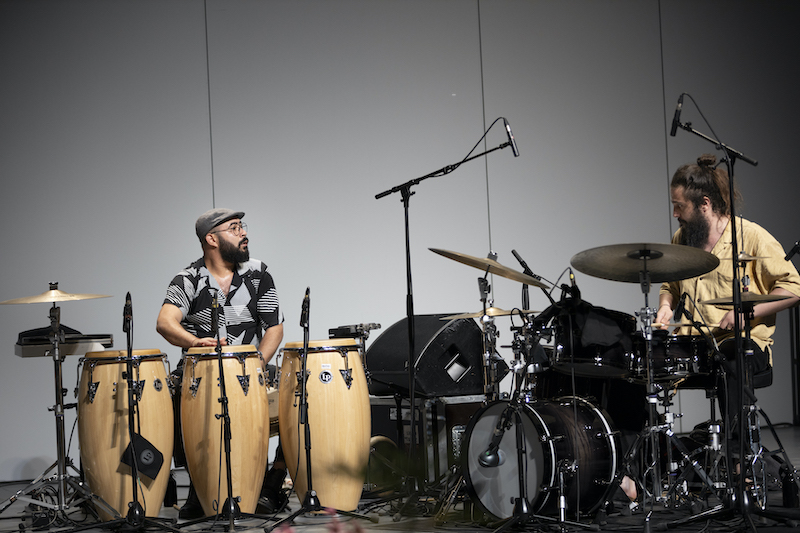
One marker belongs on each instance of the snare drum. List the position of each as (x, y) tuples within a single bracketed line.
[(674, 356), (246, 388), (338, 418), (103, 426)]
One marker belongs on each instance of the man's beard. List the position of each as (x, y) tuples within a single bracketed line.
[(695, 232), (233, 254)]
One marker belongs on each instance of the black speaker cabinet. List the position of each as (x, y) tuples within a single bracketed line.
[(447, 357)]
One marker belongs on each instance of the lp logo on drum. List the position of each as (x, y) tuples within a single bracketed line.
[(147, 457), (326, 376)]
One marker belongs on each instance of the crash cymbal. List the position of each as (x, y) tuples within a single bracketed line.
[(664, 262), (492, 266), (748, 297), (491, 311), (52, 296)]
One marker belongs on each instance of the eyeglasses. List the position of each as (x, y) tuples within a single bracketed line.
[(236, 228)]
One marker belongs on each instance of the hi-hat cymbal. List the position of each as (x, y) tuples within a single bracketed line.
[(625, 262), (748, 297), (53, 296), (491, 311), (492, 266)]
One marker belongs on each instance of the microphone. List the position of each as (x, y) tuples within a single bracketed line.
[(127, 314), (793, 251), (676, 120), (574, 291), (306, 309), (680, 310), (511, 138)]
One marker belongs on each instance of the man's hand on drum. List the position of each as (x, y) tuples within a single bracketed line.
[(208, 341), (664, 316)]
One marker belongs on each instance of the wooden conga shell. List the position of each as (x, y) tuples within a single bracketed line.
[(103, 427), (202, 430), (339, 421)]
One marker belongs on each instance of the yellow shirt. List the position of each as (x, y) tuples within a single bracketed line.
[(765, 275)]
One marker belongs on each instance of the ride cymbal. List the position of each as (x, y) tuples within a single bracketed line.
[(492, 266), (663, 262)]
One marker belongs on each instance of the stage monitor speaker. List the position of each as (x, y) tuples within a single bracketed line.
[(448, 358)]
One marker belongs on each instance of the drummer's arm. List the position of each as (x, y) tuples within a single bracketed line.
[(168, 324), (270, 342), (664, 313)]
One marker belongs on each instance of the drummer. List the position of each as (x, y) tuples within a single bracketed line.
[(250, 314), (701, 203)]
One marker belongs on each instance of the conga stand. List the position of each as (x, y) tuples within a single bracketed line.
[(414, 485), (311, 503)]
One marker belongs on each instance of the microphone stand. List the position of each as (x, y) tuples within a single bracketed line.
[(738, 500), (404, 189), (311, 503)]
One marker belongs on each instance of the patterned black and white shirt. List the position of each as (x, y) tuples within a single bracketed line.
[(250, 307)]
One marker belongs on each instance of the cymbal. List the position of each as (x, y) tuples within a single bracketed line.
[(744, 257), (624, 262), (748, 297), (491, 311), (53, 296), (492, 266)]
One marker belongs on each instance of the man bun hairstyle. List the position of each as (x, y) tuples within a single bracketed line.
[(704, 179)]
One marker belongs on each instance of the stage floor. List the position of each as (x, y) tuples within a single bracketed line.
[(385, 517)]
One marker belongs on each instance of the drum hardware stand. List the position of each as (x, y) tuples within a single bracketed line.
[(311, 503), (63, 480)]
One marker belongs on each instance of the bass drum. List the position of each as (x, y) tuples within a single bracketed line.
[(558, 432)]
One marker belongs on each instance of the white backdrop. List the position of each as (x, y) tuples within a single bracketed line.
[(123, 121)]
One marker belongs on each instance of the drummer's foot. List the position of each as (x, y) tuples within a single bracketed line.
[(628, 486), (192, 509)]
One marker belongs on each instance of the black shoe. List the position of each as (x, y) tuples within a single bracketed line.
[(192, 509), (272, 505)]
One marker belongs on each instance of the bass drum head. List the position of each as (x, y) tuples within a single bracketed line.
[(569, 431), (495, 488)]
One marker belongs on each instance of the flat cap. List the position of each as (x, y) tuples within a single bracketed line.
[(213, 218)]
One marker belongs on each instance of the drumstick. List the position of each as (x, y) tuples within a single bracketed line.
[(672, 325)]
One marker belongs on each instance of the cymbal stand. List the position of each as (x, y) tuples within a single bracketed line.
[(63, 481), (491, 387)]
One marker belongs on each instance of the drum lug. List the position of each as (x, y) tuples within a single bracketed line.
[(138, 387), (244, 381), (92, 390), (348, 377), (195, 385)]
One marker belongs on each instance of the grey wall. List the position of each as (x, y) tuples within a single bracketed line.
[(123, 121)]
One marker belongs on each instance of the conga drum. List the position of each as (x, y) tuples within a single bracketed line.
[(338, 418), (103, 427), (246, 388)]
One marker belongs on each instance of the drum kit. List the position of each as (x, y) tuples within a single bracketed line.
[(565, 452)]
